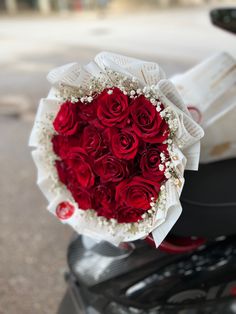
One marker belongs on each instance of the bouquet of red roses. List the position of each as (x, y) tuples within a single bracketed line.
[(113, 139)]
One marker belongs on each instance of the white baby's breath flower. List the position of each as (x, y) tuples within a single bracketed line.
[(167, 175), (161, 167), (162, 113), (176, 181), (162, 188), (153, 101)]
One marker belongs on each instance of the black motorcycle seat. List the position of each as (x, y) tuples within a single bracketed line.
[(209, 201)]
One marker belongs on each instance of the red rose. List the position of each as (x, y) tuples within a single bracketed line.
[(66, 121), (112, 108), (124, 143), (105, 212), (151, 160), (92, 141), (128, 214), (104, 197), (81, 196), (110, 168), (88, 111), (78, 163), (62, 171), (147, 122), (137, 192), (63, 144)]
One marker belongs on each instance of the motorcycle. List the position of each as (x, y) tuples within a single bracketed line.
[(187, 274)]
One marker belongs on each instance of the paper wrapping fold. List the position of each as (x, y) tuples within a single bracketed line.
[(211, 88), (188, 136)]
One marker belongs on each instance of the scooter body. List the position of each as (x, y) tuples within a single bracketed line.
[(139, 279)]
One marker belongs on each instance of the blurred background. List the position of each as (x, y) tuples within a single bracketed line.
[(36, 36)]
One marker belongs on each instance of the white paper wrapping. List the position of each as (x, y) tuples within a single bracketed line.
[(211, 88), (187, 140)]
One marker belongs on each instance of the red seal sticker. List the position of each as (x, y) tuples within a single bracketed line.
[(65, 210)]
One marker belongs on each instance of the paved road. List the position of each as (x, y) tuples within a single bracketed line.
[(32, 243), (175, 34)]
